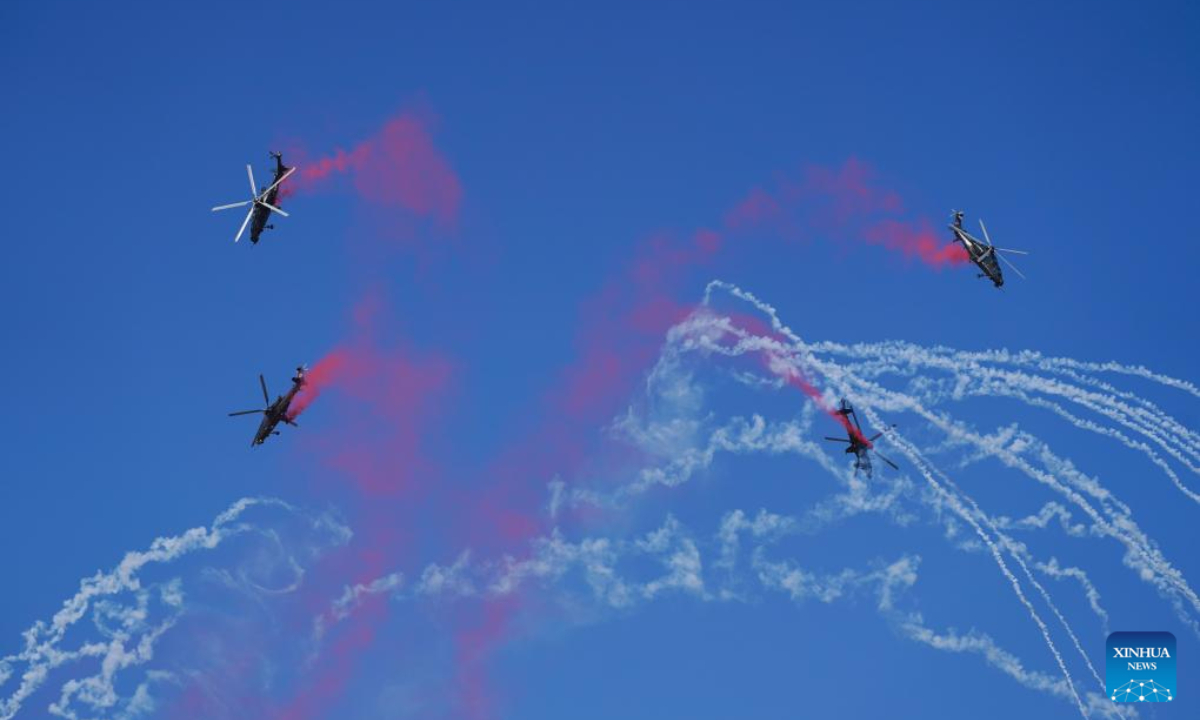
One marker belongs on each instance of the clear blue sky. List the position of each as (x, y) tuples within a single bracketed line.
[(133, 323)]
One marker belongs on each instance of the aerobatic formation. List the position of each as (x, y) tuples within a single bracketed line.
[(615, 361), (730, 341), (266, 200)]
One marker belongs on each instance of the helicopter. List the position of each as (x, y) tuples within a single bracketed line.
[(262, 202), (858, 443), (275, 412), (984, 254)]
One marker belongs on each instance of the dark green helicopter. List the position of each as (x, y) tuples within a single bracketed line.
[(984, 254), (262, 202), (275, 412), (858, 443)]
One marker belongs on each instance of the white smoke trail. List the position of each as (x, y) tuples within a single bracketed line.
[(127, 629), (973, 379), (684, 571), (1052, 569), (798, 357), (1122, 406), (956, 501), (1114, 519), (781, 363)]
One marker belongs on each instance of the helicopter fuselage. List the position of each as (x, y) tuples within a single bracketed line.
[(262, 213), (981, 254)]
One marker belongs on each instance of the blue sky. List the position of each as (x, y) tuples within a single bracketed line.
[(578, 135)]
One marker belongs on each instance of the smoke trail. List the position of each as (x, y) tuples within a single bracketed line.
[(326, 373), (972, 378), (846, 205), (392, 392), (1126, 407), (397, 166), (1059, 364), (132, 610), (799, 353), (1143, 556), (955, 499), (1054, 570), (954, 493)]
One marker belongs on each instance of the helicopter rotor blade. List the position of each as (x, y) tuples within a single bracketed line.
[(245, 222), (281, 179), (245, 412), (885, 431), (266, 396), (889, 462), (1010, 264), (231, 205), (836, 439), (985, 232), (253, 187), (271, 207)]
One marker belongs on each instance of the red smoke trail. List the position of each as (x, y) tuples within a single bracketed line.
[(472, 646), (398, 166), (622, 327), (793, 377), (621, 330), (916, 240), (846, 204), (324, 374), (385, 397), (386, 400), (391, 394), (818, 399)]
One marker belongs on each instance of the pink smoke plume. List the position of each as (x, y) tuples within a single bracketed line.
[(620, 330), (817, 397), (377, 444), (795, 378), (846, 204), (473, 643), (325, 373), (398, 166), (386, 399)]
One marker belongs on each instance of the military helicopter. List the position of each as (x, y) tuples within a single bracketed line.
[(262, 202), (983, 254), (859, 444), (275, 412)]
